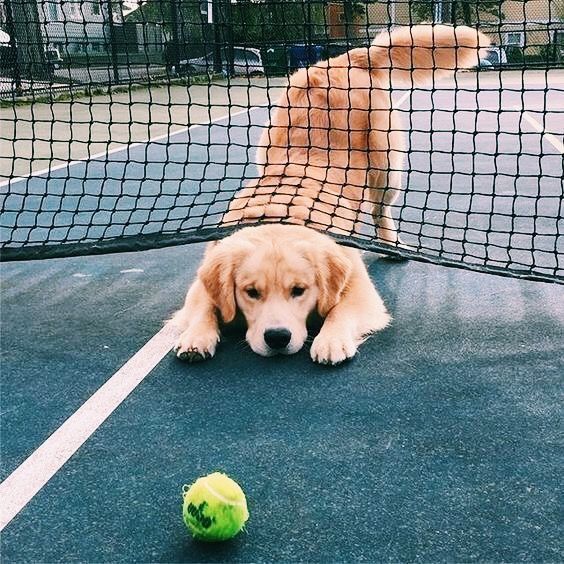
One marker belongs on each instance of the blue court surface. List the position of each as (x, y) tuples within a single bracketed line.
[(440, 441)]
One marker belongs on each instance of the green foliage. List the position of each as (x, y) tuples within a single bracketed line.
[(514, 54), (190, 20), (466, 12), (552, 53), (354, 8), (155, 11), (276, 21)]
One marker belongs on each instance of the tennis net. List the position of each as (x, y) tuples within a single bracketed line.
[(129, 126)]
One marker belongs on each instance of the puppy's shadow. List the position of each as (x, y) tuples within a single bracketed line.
[(234, 355)]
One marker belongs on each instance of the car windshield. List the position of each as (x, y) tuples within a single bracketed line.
[(493, 56)]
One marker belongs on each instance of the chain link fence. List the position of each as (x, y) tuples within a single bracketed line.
[(53, 44)]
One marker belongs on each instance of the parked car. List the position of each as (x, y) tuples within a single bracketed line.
[(53, 58), (246, 62), (303, 55), (495, 57), (4, 38)]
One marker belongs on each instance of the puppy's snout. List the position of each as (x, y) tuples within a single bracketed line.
[(277, 338)]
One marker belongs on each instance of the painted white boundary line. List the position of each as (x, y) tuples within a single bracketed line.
[(404, 97), (552, 139), (68, 164), (127, 146), (17, 490)]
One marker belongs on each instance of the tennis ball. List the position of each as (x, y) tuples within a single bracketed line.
[(215, 508)]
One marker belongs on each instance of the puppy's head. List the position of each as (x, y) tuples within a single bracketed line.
[(275, 275)]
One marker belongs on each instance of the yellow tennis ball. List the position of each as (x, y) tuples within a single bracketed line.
[(215, 508)]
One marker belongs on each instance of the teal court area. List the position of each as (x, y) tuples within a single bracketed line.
[(440, 441)]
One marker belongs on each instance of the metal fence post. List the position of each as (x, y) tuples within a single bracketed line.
[(113, 46), (217, 35), (175, 58), (228, 39)]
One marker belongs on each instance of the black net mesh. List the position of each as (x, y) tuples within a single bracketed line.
[(128, 126)]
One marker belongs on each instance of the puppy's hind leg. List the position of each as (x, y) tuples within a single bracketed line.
[(385, 188), (383, 197), (264, 144), (260, 159), (385, 177)]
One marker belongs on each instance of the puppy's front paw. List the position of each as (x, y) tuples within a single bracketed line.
[(194, 347), (332, 347)]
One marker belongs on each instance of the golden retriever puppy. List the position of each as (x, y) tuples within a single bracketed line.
[(276, 276), (333, 144)]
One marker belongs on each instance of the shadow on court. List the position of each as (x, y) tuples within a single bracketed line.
[(438, 442)]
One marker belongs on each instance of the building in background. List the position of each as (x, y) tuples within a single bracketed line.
[(142, 36), (83, 27), (528, 30), (36, 36), (76, 26)]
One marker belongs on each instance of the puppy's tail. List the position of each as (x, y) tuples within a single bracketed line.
[(418, 54)]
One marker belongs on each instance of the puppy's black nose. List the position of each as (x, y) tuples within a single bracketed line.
[(277, 338)]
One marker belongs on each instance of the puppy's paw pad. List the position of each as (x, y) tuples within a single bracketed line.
[(195, 348), (332, 348), (192, 355)]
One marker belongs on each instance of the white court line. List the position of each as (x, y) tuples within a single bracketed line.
[(17, 490), (552, 139), (405, 96), (126, 147), (146, 142)]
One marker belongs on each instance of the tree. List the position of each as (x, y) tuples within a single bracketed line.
[(27, 42), (466, 12), (185, 15), (351, 10), (278, 20)]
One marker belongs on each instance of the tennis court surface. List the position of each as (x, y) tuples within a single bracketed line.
[(440, 441)]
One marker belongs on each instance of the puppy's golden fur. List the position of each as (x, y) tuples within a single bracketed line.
[(334, 141), (333, 144)]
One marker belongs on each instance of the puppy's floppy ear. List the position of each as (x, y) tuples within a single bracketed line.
[(217, 274), (333, 273)]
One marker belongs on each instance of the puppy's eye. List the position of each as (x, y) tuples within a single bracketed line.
[(297, 291), (253, 293)]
